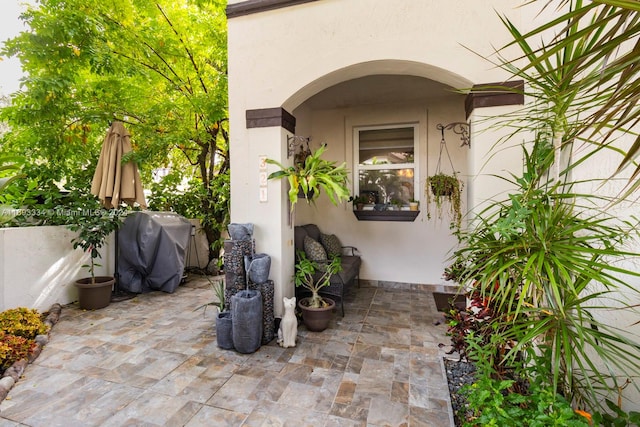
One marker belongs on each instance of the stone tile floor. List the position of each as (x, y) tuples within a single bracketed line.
[(153, 361)]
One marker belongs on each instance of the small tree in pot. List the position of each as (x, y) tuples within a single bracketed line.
[(95, 291), (93, 233), (316, 310)]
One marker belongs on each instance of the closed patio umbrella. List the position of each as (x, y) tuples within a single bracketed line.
[(115, 182)]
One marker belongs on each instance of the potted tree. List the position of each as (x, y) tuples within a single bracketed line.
[(311, 174), (446, 188), (316, 310), (94, 291)]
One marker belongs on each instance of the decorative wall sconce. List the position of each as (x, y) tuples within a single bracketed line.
[(459, 128), (296, 141)]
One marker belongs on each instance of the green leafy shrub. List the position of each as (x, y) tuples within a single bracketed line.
[(616, 417), (13, 348), (518, 395), (22, 322)]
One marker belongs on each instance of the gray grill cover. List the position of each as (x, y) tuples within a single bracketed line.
[(152, 249)]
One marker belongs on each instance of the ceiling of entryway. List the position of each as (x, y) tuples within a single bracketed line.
[(378, 89)]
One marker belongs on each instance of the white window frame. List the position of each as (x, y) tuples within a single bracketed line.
[(356, 156)]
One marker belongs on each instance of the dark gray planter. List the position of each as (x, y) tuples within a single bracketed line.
[(246, 308), (224, 330), (240, 231), (258, 267)]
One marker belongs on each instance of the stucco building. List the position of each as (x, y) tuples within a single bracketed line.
[(345, 73)]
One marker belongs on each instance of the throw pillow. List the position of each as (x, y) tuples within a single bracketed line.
[(314, 250), (331, 244)]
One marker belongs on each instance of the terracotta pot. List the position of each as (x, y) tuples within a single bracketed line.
[(316, 319), (92, 296)]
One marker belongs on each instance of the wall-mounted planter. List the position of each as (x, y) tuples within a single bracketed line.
[(407, 216)]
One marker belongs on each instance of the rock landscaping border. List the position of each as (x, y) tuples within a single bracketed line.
[(15, 371)]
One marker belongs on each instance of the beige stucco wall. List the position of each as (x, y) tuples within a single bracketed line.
[(407, 252)]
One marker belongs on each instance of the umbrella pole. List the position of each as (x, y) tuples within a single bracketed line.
[(116, 275), (119, 295)]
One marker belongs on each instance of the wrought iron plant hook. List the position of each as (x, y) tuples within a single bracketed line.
[(459, 128), (295, 141)]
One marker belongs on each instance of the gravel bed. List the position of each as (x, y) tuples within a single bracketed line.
[(459, 374)]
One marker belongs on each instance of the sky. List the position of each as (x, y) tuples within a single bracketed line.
[(10, 26)]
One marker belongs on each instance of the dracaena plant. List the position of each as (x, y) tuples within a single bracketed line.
[(550, 258), (312, 174)]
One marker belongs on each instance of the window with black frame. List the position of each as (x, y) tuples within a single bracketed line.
[(385, 166)]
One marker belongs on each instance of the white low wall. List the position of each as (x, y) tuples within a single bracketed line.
[(38, 266), (198, 251)]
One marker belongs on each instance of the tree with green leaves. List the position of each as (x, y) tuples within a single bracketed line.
[(158, 66)]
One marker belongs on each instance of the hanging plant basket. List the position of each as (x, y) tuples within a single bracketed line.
[(445, 190), (443, 185)]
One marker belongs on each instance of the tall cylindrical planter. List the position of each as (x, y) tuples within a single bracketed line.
[(235, 277), (224, 330), (246, 307), (258, 267), (268, 316)]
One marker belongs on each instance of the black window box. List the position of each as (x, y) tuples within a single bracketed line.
[(407, 216)]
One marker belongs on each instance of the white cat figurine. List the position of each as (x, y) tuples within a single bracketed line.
[(288, 330)]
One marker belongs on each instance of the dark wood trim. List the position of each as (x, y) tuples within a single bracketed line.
[(270, 117), (250, 7), (494, 94), (405, 216)]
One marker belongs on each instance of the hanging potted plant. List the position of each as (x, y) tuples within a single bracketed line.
[(311, 173), (442, 188), (317, 310), (94, 291)]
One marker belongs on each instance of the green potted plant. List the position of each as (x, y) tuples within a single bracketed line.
[(414, 204), (94, 291), (446, 188), (313, 276), (360, 201), (224, 321), (310, 175)]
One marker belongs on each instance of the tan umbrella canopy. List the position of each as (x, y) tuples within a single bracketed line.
[(115, 182)]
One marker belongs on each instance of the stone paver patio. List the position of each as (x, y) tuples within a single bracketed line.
[(153, 361)]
